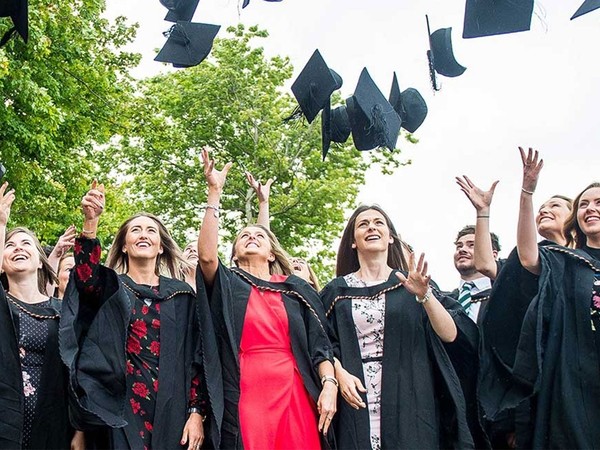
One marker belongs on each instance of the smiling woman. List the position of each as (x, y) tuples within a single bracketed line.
[(278, 385), (33, 386), (125, 321), (392, 337)]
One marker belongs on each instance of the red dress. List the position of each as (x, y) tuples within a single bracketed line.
[(275, 409)]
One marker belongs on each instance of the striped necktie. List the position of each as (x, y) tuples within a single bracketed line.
[(464, 297)]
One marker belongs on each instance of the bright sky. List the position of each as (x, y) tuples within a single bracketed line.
[(538, 88)]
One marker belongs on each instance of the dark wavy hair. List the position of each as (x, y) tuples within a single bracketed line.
[(169, 263), (45, 274), (347, 257), (572, 231), (470, 229)]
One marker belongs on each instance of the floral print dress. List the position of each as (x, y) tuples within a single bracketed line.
[(143, 346), (369, 321)]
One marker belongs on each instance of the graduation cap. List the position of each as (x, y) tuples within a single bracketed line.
[(188, 43), (17, 10), (374, 121), (491, 17), (409, 105), (180, 9), (335, 127), (247, 2), (586, 7), (440, 55), (314, 86)]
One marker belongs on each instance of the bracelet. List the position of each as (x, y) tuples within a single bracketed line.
[(215, 209), (483, 217), (526, 191), (331, 379), (87, 232), (425, 298), (194, 410)]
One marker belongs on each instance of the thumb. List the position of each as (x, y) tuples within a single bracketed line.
[(401, 277), (227, 167), (359, 386), (493, 188), (101, 188), (184, 436)]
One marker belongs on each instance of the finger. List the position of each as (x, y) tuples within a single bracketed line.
[(359, 386), (94, 184), (523, 159), (411, 262), (540, 165), (401, 277), (269, 182), (493, 188), (469, 182), (425, 267), (420, 263), (226, 168), (322, 419), (184, 436), (327, 424), (529, 155), (3, 188), (535, 157)]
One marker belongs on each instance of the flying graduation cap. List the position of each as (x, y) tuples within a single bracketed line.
[(180, 9), (313, 87), (188, 43), (492, 17), (440, 55), (247, 2), (17, 10), (374, 121), (586, 7), (409, 104), (335, 127)]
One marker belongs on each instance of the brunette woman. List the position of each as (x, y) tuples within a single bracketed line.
[(390, 332), (513, 291), (33, 385), (276, 361), (131, 336), (555, 358)]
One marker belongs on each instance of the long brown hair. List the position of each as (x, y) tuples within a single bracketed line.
[(168, 263), (347, 257), (281, 265), (572, 231), (45, 274)]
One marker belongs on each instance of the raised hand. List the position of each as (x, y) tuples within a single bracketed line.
[(214, 177), (263, 191), (6, 200), (417, 282), (531, 169), (480, 199), (92, 203), (65, 242)]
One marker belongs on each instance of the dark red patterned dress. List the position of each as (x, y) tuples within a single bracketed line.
[(143, 345)]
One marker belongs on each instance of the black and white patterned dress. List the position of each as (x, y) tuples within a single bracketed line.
[(369, 322)]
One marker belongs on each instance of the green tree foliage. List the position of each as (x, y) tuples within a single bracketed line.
[(62, 94), (235, 102)]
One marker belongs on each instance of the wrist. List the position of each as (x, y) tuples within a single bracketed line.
[(329, 379), (425, 297), (527, 191)]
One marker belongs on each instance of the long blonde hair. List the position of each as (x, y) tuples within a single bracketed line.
[(281, 265)]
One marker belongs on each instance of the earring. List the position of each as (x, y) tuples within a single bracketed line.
[(353, 245)]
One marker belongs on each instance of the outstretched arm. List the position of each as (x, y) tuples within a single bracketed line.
[(263, 192), (484, 257), (208, 238), (417, 283), (526, 230), (6, 200)]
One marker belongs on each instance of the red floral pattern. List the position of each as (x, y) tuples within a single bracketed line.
[(143, 344)]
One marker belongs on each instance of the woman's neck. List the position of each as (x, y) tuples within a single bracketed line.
[(373, 269), (257, 269), (557, 237), (143, 272), (26, 290)]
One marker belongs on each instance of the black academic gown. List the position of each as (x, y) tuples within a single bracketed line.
[(546, 352), (226, 301), (51, 429), (423, 404), (93, 338)]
